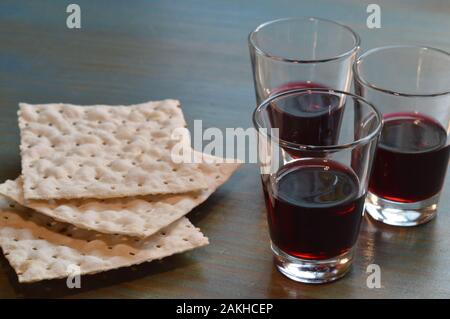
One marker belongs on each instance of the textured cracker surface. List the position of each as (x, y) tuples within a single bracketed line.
[(102, 151), (132, 216), (39, 248)]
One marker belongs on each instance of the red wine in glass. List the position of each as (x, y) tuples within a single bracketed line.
[(308, 119), (297, 85), (314, 208), (411, 158)]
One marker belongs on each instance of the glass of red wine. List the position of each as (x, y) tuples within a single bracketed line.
[(410, 85), (315, 149), (295, 53)]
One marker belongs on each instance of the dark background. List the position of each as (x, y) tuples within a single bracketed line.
[(196, 51)]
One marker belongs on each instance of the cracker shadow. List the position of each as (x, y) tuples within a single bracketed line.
[(224, 197), (57, 288)]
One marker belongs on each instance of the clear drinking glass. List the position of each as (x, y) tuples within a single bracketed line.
[(410, 85), (295, 53), (315, 149)]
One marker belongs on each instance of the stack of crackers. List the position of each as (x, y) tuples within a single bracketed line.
[(99, 189)]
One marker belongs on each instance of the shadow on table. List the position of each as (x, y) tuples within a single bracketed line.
[(58, 288), (391, 245)]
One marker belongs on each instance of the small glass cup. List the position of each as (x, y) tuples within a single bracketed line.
[(315, 149), (410, 85), (305, 52)]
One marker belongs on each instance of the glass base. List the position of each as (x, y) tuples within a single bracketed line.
[(401, 214), (312, 271)]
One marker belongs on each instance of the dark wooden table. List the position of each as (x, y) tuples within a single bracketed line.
[(196, 51)]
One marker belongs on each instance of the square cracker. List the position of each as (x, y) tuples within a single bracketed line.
[(39, 248), (101, 151), (140, 216)]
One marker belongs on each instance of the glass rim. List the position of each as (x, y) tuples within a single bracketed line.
[(356, 39), (323, 148), (364, 82)]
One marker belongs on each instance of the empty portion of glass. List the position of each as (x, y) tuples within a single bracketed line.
[(297, 53), (413, 153), (315, 155), (304, 39)]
